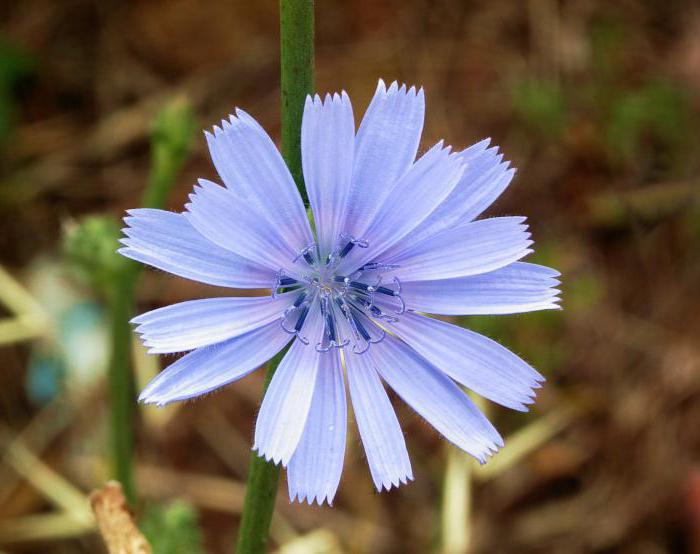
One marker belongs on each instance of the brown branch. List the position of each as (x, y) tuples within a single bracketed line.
[(116, 522)]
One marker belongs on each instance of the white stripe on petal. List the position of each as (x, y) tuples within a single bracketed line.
[(385, 147), (436, 398), (251, 166), (475, 361), (518, 287), (376, 421), (314, 471), (167, 241), (327, 147), (231, 223), (477, 247), (211, 367), (197, 323), (484, 178), (421, 189)]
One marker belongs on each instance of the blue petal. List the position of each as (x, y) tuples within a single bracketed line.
[(477, 247), (211, 367), (436, 398), (167, 241), (251, 166), (483, 180), (198, 323), (421, 189), (236, 226), (386, 146), (314, 471), (287, 401), (479, 189), (475, 361), (327, 144), (518, 287), (376, 420)]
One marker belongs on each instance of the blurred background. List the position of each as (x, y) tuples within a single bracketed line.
[(598, 106)]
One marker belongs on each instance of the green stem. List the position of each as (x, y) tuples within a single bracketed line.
[(260, 494), (121, 385), (297, 80), (172, 134)]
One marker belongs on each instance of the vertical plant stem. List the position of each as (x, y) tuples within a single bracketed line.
[(171, 140), (121, 385), (297, 80), (260, 493)]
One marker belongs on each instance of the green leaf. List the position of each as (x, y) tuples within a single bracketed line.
[(173, 529)]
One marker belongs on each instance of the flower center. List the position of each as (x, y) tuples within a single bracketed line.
[(352, 307)]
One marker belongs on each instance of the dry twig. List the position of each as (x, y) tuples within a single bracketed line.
[(116, 522)]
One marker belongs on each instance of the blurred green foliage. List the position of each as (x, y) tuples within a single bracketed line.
[(15, 65), (608, 39), (173, 129), (172, 136), (643, 122), (542, 107), (172, 529), (90, 247), (91, 244), (657, 112)]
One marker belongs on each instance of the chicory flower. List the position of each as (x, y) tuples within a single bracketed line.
[(395, 238)]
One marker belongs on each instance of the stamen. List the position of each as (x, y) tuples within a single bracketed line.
[(365, 333), (346, 250), (341, 251), (402, 308), (361, 286), (293, 318), (376, 311), (360, 328), (395, 294), (299, 299), (368, 339), (302, 317), (353, 294), (282, 281), (385, 290), (378, 266), (330, 337), (330, 323), (309, 253)]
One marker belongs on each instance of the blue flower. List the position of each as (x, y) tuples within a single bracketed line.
[(395, 238)]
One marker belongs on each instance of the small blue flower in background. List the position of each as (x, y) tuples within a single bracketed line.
[(395, 237)]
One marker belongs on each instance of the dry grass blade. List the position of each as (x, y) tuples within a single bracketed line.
[(524, 442), (28, 321), (52, 485), (44, 527), (51, 421), (456, 502), (321, 541)]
